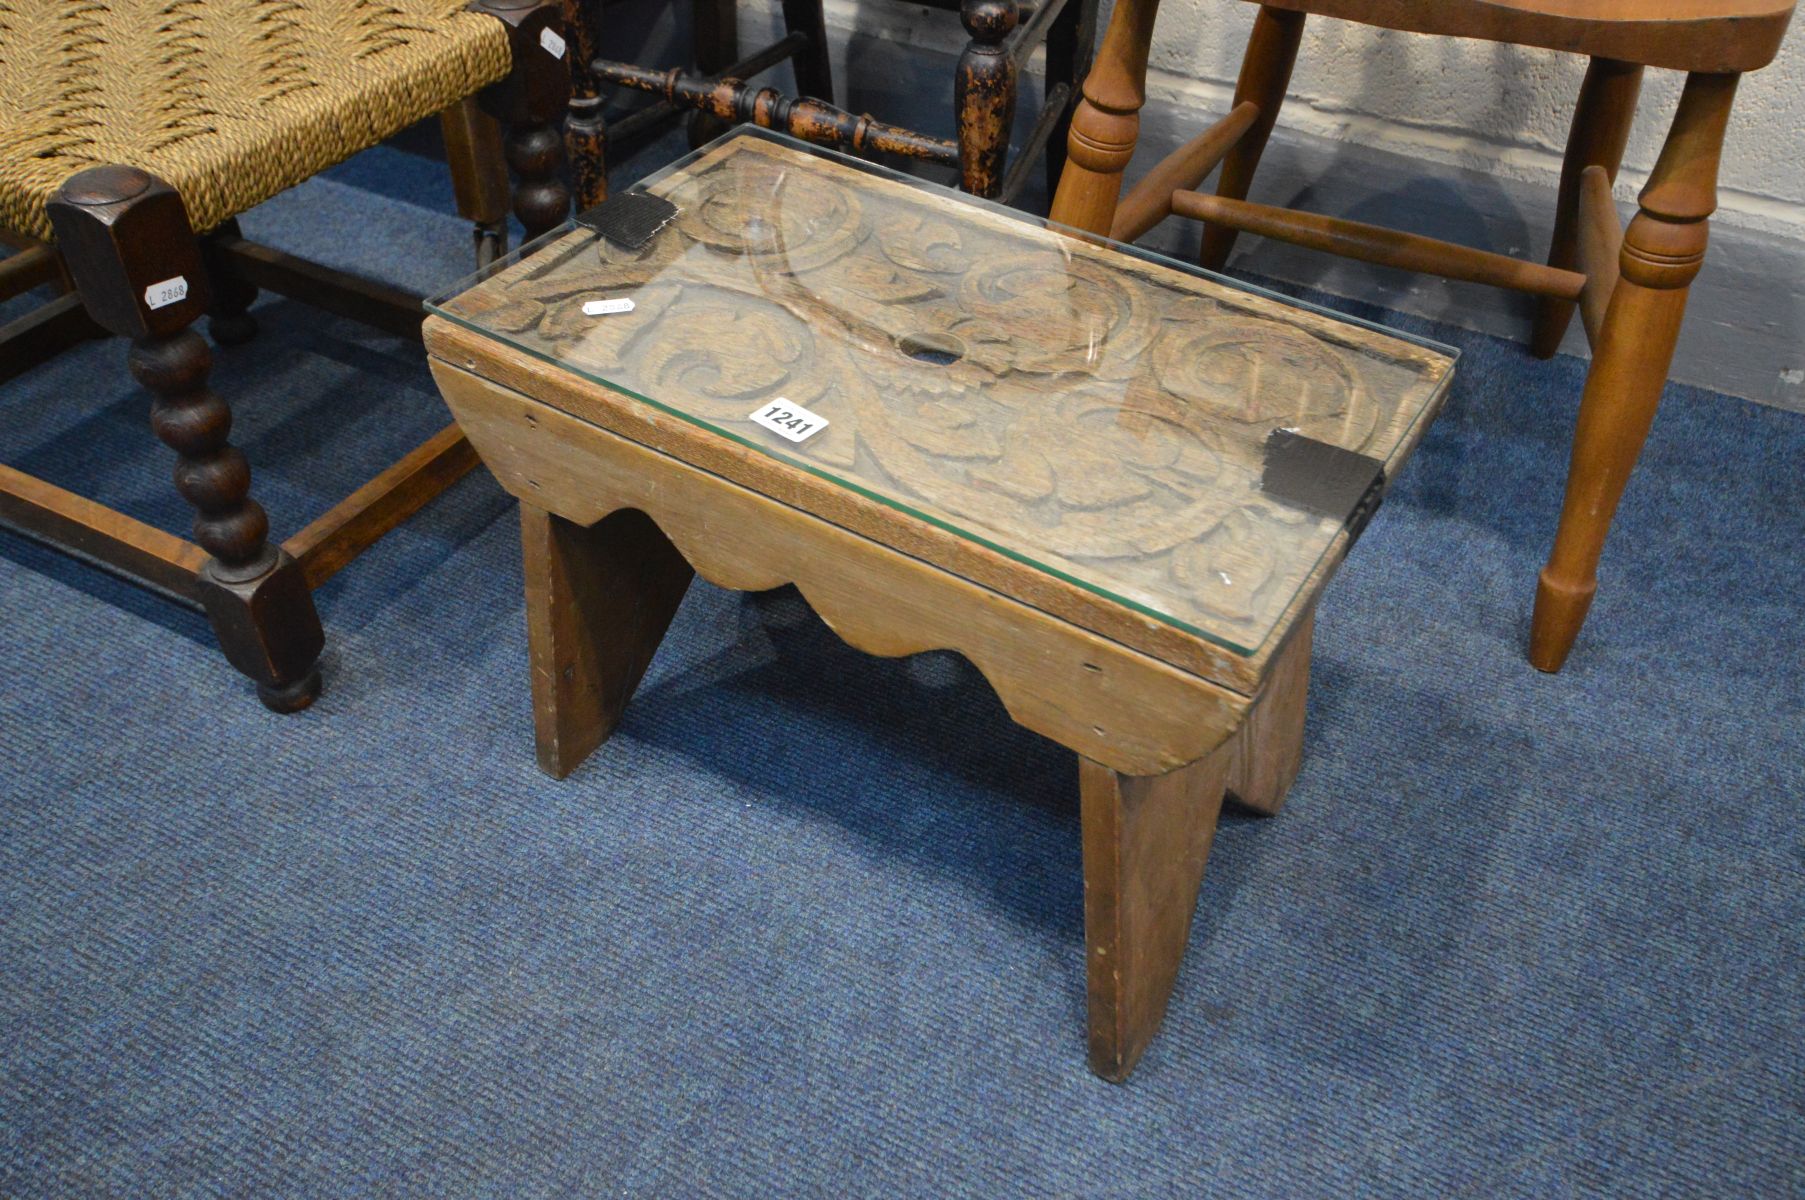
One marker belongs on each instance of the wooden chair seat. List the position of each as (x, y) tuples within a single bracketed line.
[(1686, 35), (228, 102)]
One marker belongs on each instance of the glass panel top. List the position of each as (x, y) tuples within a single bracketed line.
[(1167, 438)]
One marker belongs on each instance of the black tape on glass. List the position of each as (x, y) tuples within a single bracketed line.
[(1323, 478), (629, 219)]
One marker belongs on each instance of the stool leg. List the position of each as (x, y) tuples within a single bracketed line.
[(138, 266), (984, 95), (479, 176), (598, 601), (530, 103), (1265, 73), (813, 67), (1146, 841), (1663, 249), (1269, 750), (228, 320), (1601, 127)]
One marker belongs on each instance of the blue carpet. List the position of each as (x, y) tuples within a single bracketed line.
[(811, 924)]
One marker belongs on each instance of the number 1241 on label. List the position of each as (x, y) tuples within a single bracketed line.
[(789, 420)]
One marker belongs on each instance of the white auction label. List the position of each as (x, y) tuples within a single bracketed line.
[(601, 308), (789, 420), (160, 295), (554, 45)]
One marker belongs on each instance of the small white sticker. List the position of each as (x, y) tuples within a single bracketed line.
[(789, 420), (601, 308), (160, 295), (554, 45)]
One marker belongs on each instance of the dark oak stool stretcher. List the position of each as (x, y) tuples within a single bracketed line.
[(1113, 484)]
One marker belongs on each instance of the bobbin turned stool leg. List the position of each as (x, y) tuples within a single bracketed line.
[(137, 265), (531, 102), (984, 94)]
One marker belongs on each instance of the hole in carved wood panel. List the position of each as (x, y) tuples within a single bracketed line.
[(941, 349)]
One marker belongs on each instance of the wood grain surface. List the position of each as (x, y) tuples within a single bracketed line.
[(1098, 417)]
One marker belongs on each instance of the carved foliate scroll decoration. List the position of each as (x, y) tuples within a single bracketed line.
[(1076, 408)]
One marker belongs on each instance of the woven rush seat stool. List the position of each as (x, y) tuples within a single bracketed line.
[(132, 133), (1113, 483)]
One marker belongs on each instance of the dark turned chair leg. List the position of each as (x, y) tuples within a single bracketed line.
[(814, 74), (228, 320), (585, 139), (1068, 62), (139, 269), (717, 34), (530, 103), (984, 95)]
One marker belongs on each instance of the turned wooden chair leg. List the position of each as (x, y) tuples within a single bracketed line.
[(1601, 127), (479, 176), (1068, 61), (585, 138), (228, 320), (1146, 841), (716, 24), (984, 95), (813, 67), (138, 267), (530, 103), (598, 601), (1663, 249), (1265, 73), (1107, 122)]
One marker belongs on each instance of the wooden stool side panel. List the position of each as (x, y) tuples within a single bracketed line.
[(595, 404), (1108, 702)]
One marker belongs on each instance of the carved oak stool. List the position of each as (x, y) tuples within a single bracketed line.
[(1116, 485)]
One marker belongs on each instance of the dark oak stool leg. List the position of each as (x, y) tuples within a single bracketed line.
[(1146, 841), (598, 601), (1663, 249), (585, 138), (984, 95), (228, 320), (530, 102), (137, 264), (1265, 73), (814, 72), (479, 176), (1601, 127)]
